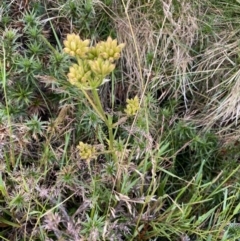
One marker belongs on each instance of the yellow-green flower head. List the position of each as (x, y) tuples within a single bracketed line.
[(109, 49), (86, 151), (101, 67), (93, 53), (74, 46), (80, 74), (133, 106)]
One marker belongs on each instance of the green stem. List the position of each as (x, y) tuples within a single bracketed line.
[(99, 105), (111, 148), (94, 189), (108, 121), (102, 116), (4, 80), (110, 132)]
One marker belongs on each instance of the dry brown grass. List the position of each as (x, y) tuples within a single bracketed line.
[(164, 30), (218, 78), (222, 82), (208, 81)]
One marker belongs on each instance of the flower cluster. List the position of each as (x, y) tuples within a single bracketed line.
[(80, 75), (101, 67), (109, 49), (86, 151), (74, 46), (133, 106), (94, 63)]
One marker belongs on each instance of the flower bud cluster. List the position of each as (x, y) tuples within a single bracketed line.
[(86, 151), (94, 63), (109, 49), (133, 105), (80, 74), (101, 67), (76, 47)]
